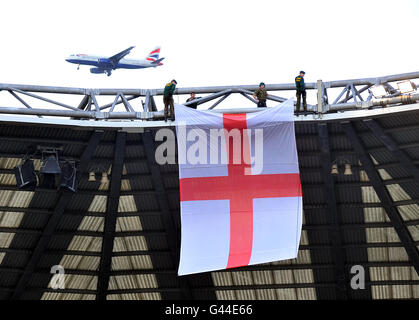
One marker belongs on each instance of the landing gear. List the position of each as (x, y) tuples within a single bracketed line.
[(78, 67), (108, 73)]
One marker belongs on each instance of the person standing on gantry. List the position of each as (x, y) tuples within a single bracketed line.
[(301, 91), (260, 95), (169, 89)]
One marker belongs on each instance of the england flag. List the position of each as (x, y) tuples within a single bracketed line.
[(240, 189)]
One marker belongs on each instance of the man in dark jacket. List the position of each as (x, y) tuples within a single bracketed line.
[(193, 98), (260, 95), (169, 89), (301, 91)]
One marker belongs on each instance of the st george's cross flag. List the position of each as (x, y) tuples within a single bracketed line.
[(240, 189)]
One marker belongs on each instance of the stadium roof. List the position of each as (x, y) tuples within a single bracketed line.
[(120, 239)]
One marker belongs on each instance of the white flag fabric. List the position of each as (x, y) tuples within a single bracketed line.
[(240, 189)]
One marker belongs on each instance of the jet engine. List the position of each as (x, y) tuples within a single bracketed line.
[(97, 70)]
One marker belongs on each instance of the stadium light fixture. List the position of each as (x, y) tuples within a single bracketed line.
[(334, 169), (379, 91), (348, 170), (69, 176), (92, 176), (405, 86), (104, 178), (25, 175)]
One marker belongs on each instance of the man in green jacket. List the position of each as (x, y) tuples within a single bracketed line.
[(301, 91), (260, 95), (169, 89)]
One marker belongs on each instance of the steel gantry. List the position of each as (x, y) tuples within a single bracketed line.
[(354, 94)]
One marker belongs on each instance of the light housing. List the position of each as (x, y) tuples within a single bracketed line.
[(348, 170), (104, 178), (25, 175), (92, 177), (405, 86), (379, 91), (334, 169), (69, 177)]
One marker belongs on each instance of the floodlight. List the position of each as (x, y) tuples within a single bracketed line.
[(334, 169), (51, 166), (348, 170), (379, 91), (104, 178), (69, 177), (92, 176), (405, 86), (25, 175)]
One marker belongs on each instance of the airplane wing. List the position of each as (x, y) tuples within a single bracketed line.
[(115, 59)]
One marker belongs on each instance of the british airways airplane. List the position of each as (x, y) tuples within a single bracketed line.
[(107, 64)]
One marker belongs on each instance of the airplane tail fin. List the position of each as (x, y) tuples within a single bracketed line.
[(154, 55)]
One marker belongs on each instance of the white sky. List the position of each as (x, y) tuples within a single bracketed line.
[(208, 43)]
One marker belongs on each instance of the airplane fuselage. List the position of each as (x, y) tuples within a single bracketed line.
[(105, 63)]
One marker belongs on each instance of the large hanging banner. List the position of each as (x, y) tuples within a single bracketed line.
[(240, 189)]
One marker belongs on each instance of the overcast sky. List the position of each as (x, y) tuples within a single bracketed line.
[(209, 42)]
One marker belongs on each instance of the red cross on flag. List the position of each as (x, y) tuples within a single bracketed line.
[(240, 189)]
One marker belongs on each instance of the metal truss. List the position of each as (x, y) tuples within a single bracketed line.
[(140, 104)]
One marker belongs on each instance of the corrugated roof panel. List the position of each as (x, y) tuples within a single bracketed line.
[(245, 295), (132, 282), (409, 212), (381, 235), (82, 243), (9, 163), (128, 224), (7, 179), (242, 277), (67, 296), (16, 199), (80, 262), (397, 193), (92, 224), (98, 204), (268, 294), (414, 232), (225, 295), (375, 215), (303, 276), (6, 239), (306, 294), (127, 204), (262, 277), (75, 281), (140, 262), (10, 219), (392, 273), (286, 294), (369, 195), (222, 279), (283, 276), (387, 254), (137, 243), (135, 296)]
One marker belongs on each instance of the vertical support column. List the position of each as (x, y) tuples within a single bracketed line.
[(111, 216), (338, 252), (319, 96)]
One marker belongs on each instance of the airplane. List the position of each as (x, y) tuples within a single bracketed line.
[(117, 61)]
